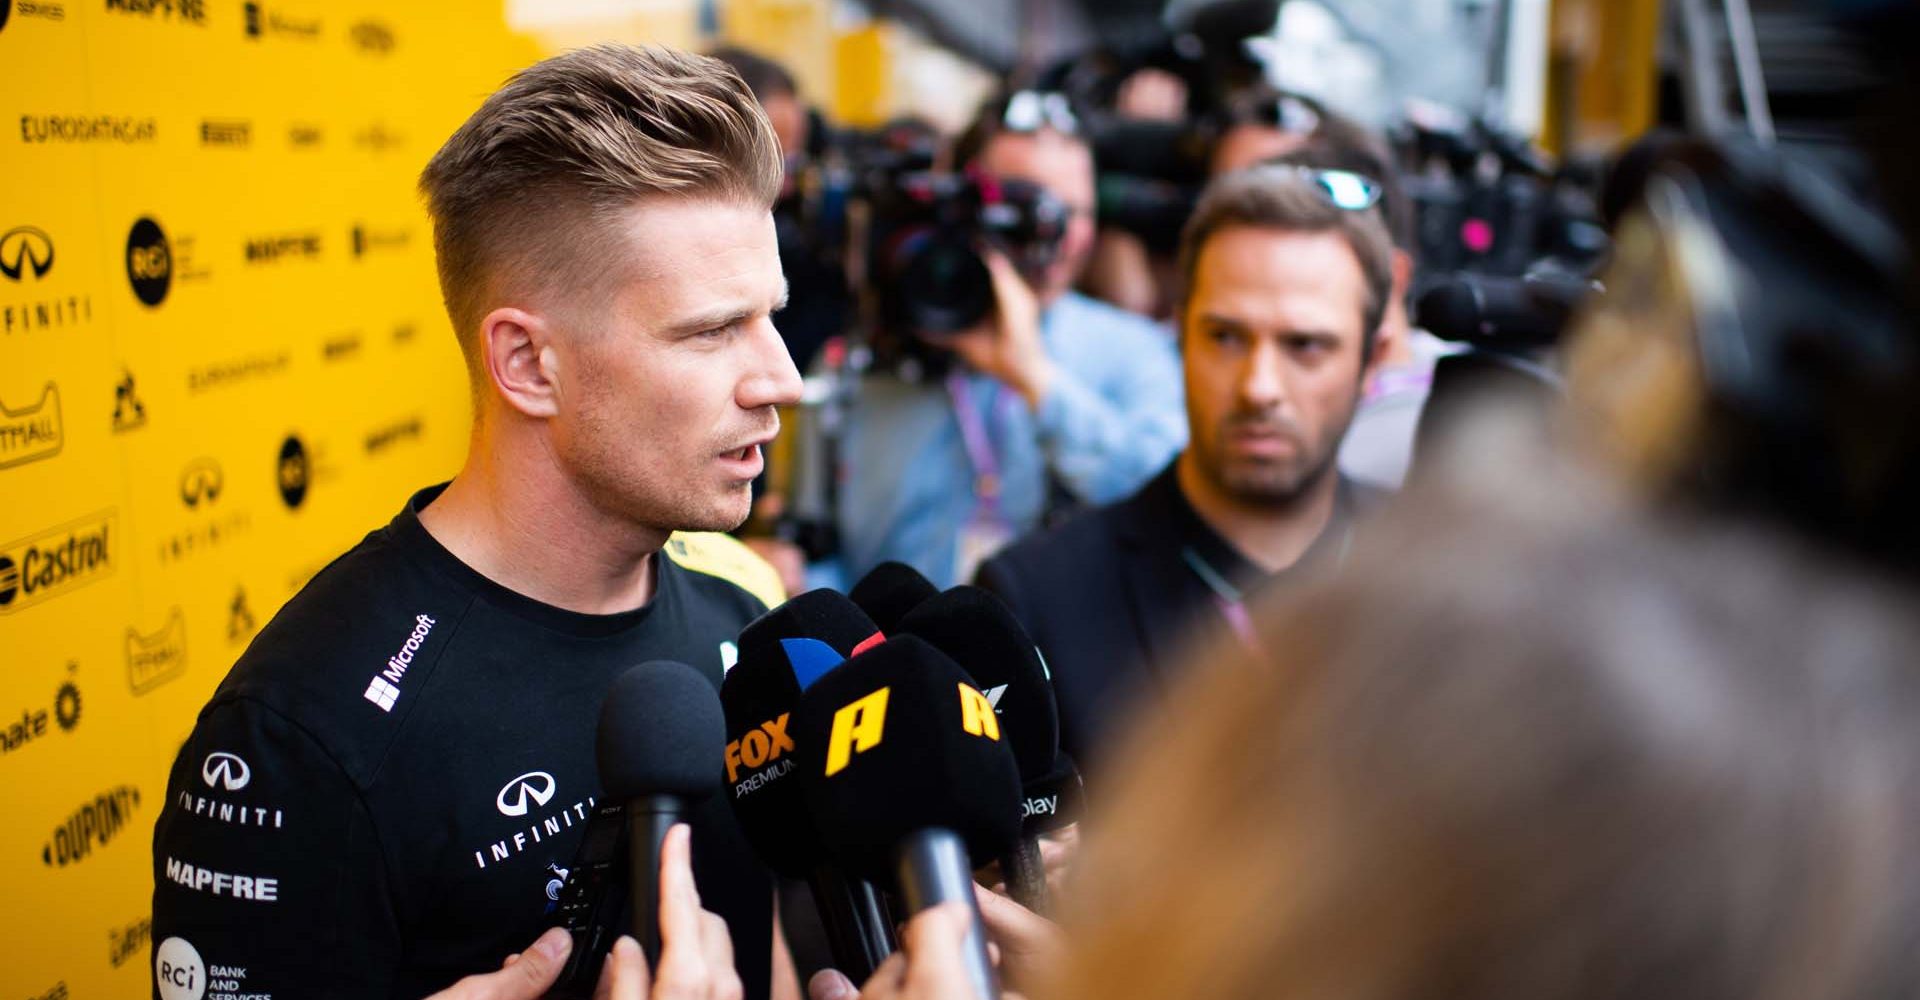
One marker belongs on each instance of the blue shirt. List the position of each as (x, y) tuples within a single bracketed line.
[(1112, 417)]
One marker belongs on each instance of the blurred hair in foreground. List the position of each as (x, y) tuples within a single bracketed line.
[(1532, 743)]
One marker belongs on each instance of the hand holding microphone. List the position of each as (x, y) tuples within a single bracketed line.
[(696, 953)]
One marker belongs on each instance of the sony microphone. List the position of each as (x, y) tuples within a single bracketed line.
[(906, 773), (889, 591), (660, 733), (981, 634), (781, 653)]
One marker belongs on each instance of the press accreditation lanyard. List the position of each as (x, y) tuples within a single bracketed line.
[(979, 446), (1229, 599)]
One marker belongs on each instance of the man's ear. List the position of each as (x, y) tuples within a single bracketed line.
[(516, 348)]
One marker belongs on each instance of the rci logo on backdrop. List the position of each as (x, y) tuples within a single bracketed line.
[(31, 433), (94, 825), (183, 11), (231, 134), (27, 258), (375, 38), (41, 567), (128, 412), (149, 262), (23, 249), (158, 657), (295, 472), (125, 942), (64, 713)]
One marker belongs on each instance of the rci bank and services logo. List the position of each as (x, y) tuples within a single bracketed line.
[(155, 658), (149, 262), (295, 472), (41, 567), (31, 433)]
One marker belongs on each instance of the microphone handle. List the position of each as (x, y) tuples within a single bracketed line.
[(648, 820), (1027, 874), (933, 868), (859, 929)]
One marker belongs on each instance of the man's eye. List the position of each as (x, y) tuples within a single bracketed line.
[(1225, 337), (718, 331)]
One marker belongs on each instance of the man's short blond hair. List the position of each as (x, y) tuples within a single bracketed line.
[(524, 195)]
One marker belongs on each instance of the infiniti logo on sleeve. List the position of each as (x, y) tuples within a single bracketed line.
[(536, 785), (225, 770)]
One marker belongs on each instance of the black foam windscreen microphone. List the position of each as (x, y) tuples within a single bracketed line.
[(781, 653), (889, 591), (906, 772), (660, 733), (982, 635)]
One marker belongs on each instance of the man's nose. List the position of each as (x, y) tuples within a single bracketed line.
[(772, 380), (1263, 379)]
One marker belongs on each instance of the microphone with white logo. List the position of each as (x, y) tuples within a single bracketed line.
[(981, 634), (658, 747)]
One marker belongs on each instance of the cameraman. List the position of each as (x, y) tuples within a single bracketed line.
[(1052, 385)]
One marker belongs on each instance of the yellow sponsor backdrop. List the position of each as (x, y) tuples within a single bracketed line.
[(289, 307), (222, 361)]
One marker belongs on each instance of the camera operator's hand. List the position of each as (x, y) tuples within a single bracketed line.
[(1028, 944), (1006, 345)]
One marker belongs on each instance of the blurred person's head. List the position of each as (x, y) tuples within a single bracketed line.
[(1556, 754), (1283, 292), (774, 88), (1343, 144), (607, 256), (1036, 137), (1259, 124)]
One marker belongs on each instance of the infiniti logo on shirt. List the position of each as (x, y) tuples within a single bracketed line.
[(536, 785), (225, 770)]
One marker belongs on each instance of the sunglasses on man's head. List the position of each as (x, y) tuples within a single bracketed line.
[(1343, 189), (1033, 110)]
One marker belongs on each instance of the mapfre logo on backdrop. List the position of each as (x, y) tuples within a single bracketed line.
[(283, 247), (29, 298), (176, 11), (154, 658), (40, 567), (31, 433)]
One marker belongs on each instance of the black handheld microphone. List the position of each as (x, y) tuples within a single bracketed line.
[(660, 733), (889, 591), (906, 774), (781, 653), (981, 634)]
